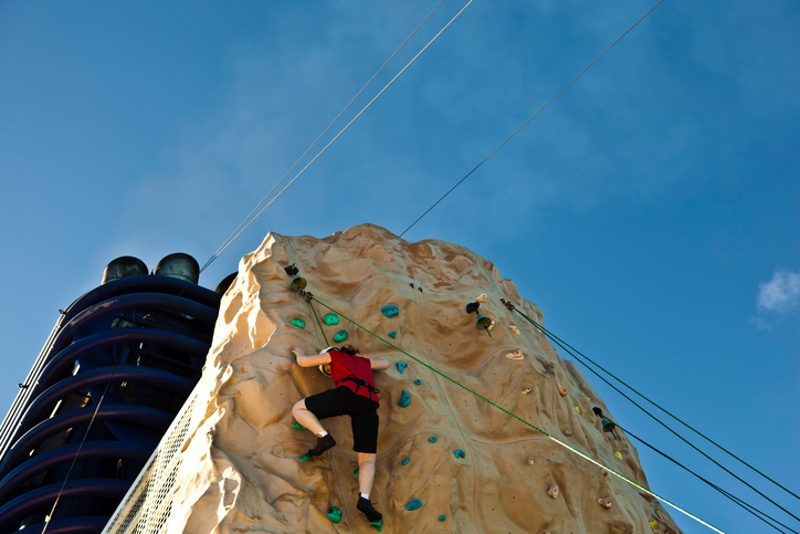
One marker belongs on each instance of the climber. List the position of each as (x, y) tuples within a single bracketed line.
[(355, 395)]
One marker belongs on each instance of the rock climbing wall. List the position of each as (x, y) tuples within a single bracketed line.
[(447, 460)]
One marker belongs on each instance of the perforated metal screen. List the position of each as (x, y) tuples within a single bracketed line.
[(148, 504)]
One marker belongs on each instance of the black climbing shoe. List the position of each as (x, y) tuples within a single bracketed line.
[(323, 444), (365, 507)]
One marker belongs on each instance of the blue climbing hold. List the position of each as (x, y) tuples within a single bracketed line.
[(417, 382), (442, 517), (405, 461), (401, 366), (299, 323), (341, 335), (433, 439), (405, 399), (390, 311), (459, 453), (331, 319), (393, 334), (413, 504)]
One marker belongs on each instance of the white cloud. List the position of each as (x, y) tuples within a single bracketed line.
[(776, 298), (781, 294)]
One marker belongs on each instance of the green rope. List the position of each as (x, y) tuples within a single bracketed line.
[(736, 500), (523, 421), (319, 323), (564, 346)]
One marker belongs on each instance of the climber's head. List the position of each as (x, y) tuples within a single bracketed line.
[(349, 349)]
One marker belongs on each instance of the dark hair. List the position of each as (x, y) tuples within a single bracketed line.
[(349, 349)]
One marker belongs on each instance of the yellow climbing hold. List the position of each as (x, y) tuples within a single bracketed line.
[(618, 454), (653, 525), (577, 409)]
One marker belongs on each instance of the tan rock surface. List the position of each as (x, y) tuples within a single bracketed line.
[(240, 470)]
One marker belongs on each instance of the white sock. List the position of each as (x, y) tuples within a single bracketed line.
[(322, 434), (365, 495)]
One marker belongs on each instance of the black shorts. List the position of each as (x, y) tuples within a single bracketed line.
[(363, 414)]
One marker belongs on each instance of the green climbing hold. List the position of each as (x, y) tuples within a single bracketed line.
[(433, 439), (390, 311), (413, 504), (377, 524), (298, 426), (393, 334), (335, 515), (405, 399), (306, 458), (459, 453), (417, 382), (442, 517), (405, 461), (355, 473), (401, 367), (341, 335), (331, 319), (299, 323)]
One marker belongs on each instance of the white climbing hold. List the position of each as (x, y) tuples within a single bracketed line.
[(605, 502), (568, 432), (531, 461), (514, 329), (481, 298), (526, 390), (553, 491), (515, 355)]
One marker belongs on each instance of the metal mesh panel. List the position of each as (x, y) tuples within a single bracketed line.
[(148, 504)]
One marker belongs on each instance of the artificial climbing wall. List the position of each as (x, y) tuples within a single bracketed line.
[(448, 461)]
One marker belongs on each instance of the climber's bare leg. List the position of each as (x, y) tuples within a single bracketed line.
[(366, 471), (307, 418)]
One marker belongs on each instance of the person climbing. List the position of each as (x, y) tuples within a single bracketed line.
[(355, 394)]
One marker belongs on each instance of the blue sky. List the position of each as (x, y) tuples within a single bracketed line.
[(651, 210)]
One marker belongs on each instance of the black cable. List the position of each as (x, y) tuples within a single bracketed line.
[(564, 346), (749, 508)]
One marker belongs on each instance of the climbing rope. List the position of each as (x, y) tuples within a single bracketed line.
[(328, 127), (747, 507), (475, 168), (233, 235), (236, 234), (523, 421), (311, 305), (572, 352)]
